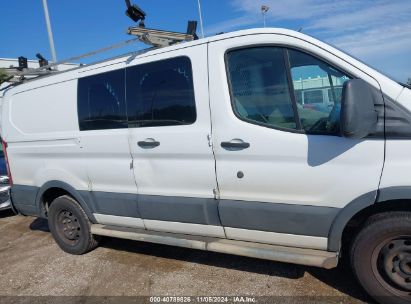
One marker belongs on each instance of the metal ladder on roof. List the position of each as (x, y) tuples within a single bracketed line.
[(153, 37)]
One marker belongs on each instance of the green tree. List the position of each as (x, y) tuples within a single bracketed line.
[(409, 81), (3, 75)]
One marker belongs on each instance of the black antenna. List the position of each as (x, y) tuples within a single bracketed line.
[(135, 13)]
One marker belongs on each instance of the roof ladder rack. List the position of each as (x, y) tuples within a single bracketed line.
[(160, 38), (155, 38)]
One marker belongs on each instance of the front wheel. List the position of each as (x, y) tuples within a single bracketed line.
[(70, 226), (381, 257)]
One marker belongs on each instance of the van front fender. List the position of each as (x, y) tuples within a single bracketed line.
[(345, 215)]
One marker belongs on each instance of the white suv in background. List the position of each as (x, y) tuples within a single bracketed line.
[(265, 143)]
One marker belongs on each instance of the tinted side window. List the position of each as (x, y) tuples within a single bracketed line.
[(259, 86), (161, 94), (318, 90), (101, 101)]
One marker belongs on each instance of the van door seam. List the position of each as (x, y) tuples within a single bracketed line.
[(217, 189)]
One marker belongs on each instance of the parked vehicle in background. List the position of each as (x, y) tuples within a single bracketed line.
[(265, 143), (4, 183)]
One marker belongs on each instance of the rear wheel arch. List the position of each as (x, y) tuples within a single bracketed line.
[(53, 189)]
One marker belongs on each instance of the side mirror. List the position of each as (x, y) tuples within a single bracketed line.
[(358, 115)]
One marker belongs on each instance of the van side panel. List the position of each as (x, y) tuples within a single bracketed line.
[(41, 130), (48, 109)]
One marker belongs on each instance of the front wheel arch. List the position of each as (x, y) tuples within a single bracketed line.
[(350, 219), (366, 205), (345, 216)]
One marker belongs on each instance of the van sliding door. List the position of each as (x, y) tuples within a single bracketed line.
[(169, 121)]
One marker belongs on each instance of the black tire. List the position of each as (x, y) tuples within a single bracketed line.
[(70, 226), (381, 257)]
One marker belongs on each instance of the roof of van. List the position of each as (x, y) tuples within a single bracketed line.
[(155, 50), (59, 76)]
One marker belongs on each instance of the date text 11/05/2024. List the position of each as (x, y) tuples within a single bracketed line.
[(202, 299)]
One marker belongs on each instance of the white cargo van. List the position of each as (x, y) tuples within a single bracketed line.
[(264, 143)]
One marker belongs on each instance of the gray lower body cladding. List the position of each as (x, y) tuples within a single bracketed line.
[(281, 218), (118, 204), (269, 217), (24, 199), (202, 211)]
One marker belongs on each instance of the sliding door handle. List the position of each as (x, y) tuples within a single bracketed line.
[(235, 145), (149, 143)]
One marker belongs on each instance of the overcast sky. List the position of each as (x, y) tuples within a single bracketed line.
[(376, 31)]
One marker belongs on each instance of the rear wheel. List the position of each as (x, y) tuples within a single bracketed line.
[(381, 257), (70, 226)]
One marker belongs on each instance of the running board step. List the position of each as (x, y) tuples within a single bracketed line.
[(309, 257)]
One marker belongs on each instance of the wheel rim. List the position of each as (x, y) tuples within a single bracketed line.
[(68, 227), (391, 262)]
